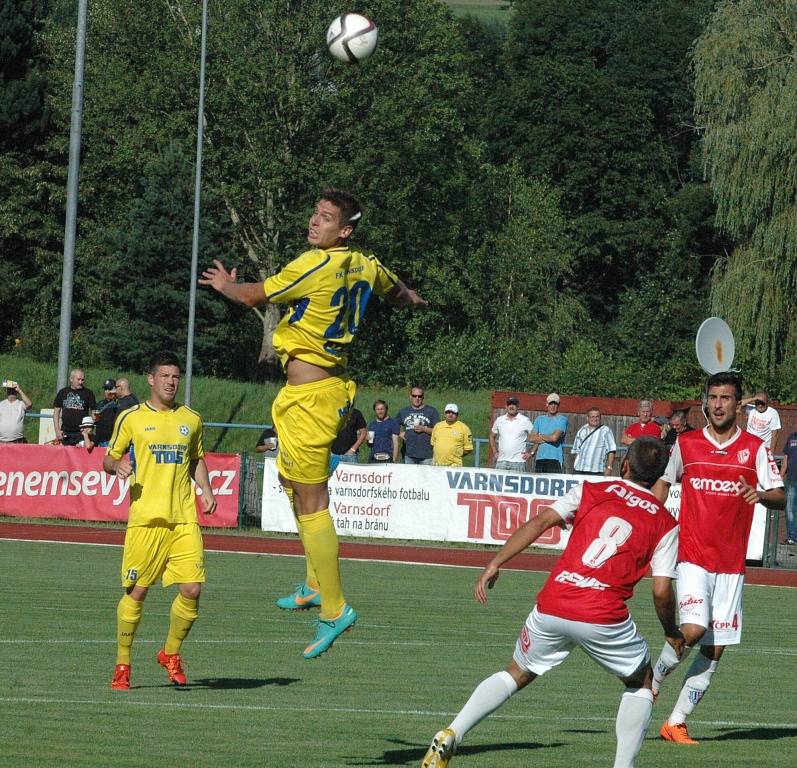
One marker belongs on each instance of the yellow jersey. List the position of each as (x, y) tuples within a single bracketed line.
[(162, 446), (449, 443), (328, 292)]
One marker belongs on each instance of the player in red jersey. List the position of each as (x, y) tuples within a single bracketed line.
[(619, 528), (724, 471)]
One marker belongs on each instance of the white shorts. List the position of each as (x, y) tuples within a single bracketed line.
[(546, 641), (713, 601)]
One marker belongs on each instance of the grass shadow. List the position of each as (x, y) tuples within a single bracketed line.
[(754, 734), (411, 754), (239, 683)]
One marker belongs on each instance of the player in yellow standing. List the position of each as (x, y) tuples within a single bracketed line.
[(327, 289), (163, 538)]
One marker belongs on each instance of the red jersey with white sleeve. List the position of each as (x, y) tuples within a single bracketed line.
[(619, 528), (715, 520)]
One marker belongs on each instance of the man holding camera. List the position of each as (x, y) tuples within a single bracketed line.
[(762, 419), (12, 413)]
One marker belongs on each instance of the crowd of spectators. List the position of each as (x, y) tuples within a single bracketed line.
[(78, 419)]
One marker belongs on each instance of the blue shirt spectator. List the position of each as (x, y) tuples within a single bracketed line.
[(549, 433), (383, 436)]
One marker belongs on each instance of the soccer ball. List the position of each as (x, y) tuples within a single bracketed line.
[(351, 37)]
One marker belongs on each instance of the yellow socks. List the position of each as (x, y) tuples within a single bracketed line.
[(321, 547), (128, 615), (311, 580), (182, 616)]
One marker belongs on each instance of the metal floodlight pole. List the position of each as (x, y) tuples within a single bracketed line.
[(73, 176), (189, 355)]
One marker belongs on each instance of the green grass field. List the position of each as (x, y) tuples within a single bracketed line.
[(375, 699), (220, 400), (489, 11)]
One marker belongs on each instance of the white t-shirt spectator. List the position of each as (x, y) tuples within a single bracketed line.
[(12, 420), (512, 436), (762, 424)]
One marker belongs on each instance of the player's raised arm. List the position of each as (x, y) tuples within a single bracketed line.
[(523, 537), (218, 278), (405, 297)]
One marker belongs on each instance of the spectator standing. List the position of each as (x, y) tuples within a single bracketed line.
[(71, 405), (509, 437), (762, 419), (87, 439), (125, 398), (678, 425), (451, 439), (383, 435), (12, 414), (105, 414), (549, 433), (788, 471), (594, 447), (267, 443), (351, 436), (645, 426), (416, 422)]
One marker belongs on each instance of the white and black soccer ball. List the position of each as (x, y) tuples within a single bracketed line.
[(351, 37)]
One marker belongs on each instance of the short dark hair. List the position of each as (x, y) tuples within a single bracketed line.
[(647, 459), (379, 402), (163, 357), (726, 378), (351, 212)]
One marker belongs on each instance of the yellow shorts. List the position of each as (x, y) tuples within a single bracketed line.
[(307, 418), (174, 552)]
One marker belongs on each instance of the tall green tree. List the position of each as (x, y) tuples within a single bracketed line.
[(746, 90), (595, 97), (149, 264), (30, 179)]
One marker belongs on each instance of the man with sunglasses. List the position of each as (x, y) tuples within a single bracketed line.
[(416, 422)]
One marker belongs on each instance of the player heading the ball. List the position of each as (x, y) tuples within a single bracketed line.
[(326, 289)]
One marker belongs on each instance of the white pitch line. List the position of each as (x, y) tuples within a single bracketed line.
[(123, 699), (348, 559)]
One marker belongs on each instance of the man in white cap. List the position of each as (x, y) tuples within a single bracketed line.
[(549, 433), (451, 439)]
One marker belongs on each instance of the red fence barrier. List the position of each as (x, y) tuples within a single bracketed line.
[(69, 482)]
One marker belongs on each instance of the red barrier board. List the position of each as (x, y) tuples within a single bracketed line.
[(69, 482)]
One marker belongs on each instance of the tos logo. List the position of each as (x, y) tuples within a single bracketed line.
[(505, 515), (525, 640)]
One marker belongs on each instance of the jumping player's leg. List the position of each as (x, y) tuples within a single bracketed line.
[(311, 579), (307, 418)]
